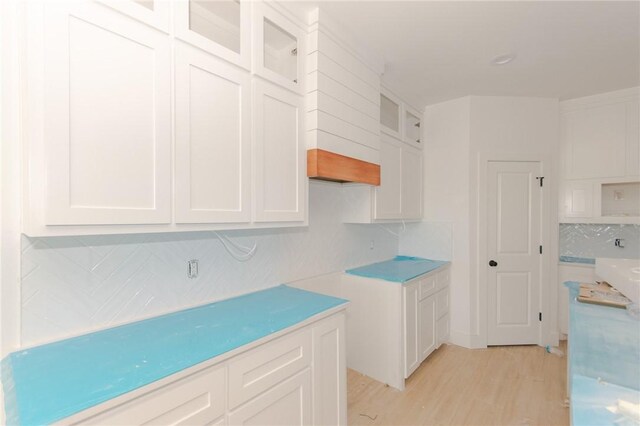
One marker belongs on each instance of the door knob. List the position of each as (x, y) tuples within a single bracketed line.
[(493, 263)]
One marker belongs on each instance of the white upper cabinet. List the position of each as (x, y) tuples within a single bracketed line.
[(106, 118), (411, 183), (279, 154), (220, 27), (390, 114), (212, 139), (151, 12), (412, 131), (595, 141), (600, 158), (388, 196), (279, 50)]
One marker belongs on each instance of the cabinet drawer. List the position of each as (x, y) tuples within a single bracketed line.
[(443, 278), (442, 302), (195, 399), (427, 286), (287, 404), (265, 366)]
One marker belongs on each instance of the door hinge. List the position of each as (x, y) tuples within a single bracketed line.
[(539, 316), (540, 180), (540, 249)]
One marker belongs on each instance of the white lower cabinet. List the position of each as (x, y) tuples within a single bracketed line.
[(425, 317), (298, 378)]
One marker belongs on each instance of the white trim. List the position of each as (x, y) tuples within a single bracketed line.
[(624, 95), (10, 166)]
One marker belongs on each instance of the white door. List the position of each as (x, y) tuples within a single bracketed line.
[(280, 166), (388, 195), (213, 138), (411, 183), (514, 259), (107, 122)]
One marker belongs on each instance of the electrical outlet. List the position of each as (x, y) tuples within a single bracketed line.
[(619, 242), (192, 268), (372, 244)]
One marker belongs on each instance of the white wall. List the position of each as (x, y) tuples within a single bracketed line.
[(447, 186), (460, 136), (72, 285)]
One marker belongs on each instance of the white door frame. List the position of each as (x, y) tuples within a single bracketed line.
[(548, 238)]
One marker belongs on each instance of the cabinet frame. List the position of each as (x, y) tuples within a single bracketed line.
[(260, 12), (184, 33)]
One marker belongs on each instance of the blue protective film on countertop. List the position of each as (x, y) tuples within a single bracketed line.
[(399, 269), (53, 381), (604, 342), (590, 398), (582, 260)]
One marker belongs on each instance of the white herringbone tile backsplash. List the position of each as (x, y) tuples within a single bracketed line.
[(71, 285)]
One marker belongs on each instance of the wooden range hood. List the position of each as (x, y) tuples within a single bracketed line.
[(325, 165)]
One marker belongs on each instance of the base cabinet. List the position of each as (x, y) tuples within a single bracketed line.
[(426, 318), (298, 378)]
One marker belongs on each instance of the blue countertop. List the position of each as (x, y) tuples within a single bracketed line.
[(604, 359), (53, 381), (581, 260), (399, 269)]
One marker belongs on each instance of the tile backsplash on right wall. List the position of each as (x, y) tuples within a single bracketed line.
[(598, 240)]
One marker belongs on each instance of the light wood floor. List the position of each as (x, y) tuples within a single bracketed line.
[(511, 385)]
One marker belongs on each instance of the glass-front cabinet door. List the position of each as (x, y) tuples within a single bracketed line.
[(278, 52), (220, 27)]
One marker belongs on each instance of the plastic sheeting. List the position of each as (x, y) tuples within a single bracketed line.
[(399, 270), (50, 382), (604, 359)]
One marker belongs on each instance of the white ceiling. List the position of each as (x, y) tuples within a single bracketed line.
[(439, 50)]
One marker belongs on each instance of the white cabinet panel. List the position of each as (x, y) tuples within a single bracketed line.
[(212, 130), (633, 139), (279, 154), (265, 366), (428, 286), (578, 199), (151, 12), (329, 372), (595, 141), (107, 145), (196, 399), (388, 197), (411, 329), (411, 183), (427, 326), (287, 404), (220, 27), (442, 330), (442, 302)]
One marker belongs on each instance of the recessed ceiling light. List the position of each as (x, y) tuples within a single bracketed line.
[(503, 59)]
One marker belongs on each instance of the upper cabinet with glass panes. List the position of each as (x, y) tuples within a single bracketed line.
[(220, 27), (412, 132), (278, 53)]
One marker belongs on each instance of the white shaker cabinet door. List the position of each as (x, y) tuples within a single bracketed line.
[(411, 329), (280, 166), (388, 197), (212, 147), (150, 12), (106, 117), (411, 183), (427, 326)]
